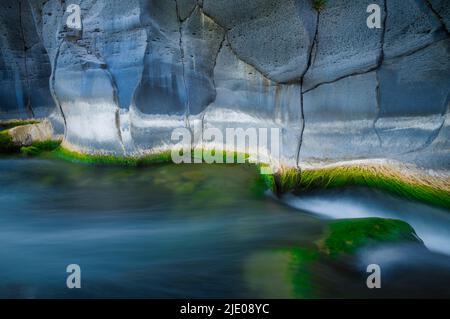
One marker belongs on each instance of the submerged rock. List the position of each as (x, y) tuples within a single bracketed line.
[(347, 236), (301, 271)]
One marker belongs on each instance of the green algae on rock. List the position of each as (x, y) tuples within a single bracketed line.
[(146, 159), (265, 181), (300, 271), (281, 273), (7, 145), (346, 236), (292, 269), (37, 148)]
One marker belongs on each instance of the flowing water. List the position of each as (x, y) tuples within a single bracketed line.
[(197, 231)]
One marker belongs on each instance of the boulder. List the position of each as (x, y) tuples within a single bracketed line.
[(25, 135)]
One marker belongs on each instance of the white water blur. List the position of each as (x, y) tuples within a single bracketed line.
[(432, 224)]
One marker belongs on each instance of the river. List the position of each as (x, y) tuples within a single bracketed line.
[(196, 231)]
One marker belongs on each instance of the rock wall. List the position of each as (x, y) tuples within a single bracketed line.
[(140, 68), (24, 64)]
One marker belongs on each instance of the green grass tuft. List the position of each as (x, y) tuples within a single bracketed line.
[(103, 159), (426, 189), (348, 235), (286, 180), (72, 156), (319, 4)]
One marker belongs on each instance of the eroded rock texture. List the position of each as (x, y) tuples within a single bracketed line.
[(24, 64), (140, 68)]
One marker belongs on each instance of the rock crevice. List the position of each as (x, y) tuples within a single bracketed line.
[(314, 44)]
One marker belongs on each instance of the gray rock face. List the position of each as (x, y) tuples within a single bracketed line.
[(24, 64), (352, 129), (264, 42), (86, 95), (410, 25), (442, 11), (258, 34), (421, 81), (344, 44), (246, 99), (229, 13), (138, 69), (201, 40), (435, 155), (95, 70), (119, 42), (185, 8)]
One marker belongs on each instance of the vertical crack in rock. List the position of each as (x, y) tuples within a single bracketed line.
[(115, 88), (224, 37), (25, 48), (180, 43), (146, 51), (227, 38), (189, 14), (277, 108), (116, 102), (112, 80), (438, 16), (119, 132), (52, 85), (379, 63), (308, 65), (132, 106), (435, 134), (265, 75)]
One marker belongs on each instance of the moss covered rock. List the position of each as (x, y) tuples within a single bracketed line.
[(294, 271), (26, 135), (38, 148), (7, 146), (348, 235)]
